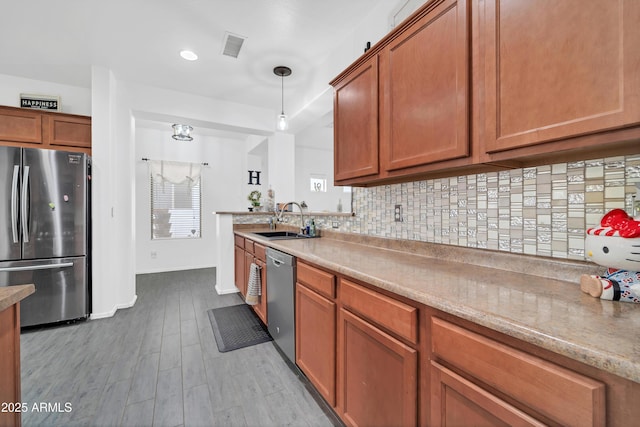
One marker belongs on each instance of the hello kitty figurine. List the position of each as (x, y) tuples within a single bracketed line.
[(616, 245)]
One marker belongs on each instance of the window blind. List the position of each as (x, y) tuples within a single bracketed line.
[(175, 200)]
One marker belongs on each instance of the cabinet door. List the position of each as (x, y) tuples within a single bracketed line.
[(356, 123), (557, 69), (552, 391), (239, 270), (17, 125), (10, 364), (248, 260), (70, 131), (456, 401), (261, 307), (316, 340), (377, 376), (424, 85)]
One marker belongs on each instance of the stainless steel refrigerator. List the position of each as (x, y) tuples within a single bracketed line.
[(45, 231)]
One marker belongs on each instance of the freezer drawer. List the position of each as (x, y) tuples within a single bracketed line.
[(61, 289)]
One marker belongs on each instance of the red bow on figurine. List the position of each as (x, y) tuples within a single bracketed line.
[(621, 222)]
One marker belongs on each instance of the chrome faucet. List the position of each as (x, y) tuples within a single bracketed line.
[(279, 218)]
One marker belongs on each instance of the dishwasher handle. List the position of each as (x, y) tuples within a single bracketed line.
[(276, 261)]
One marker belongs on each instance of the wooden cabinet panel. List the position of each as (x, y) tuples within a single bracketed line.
[(260, 251), (377, 376), (261, 307), (456, 401), (320, 281), (562, 395), (248, 260), (555, 70), (424, 87), (316, 340), (356, 123), (399, 318), (239, 268), (18, 125), (68, 131), (238, 241), (248, 246), (10, 363)]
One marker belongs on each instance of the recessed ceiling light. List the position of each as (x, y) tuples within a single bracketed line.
[(188, 55)]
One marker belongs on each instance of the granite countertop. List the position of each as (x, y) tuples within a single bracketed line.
[(536, 300), (9, 295)]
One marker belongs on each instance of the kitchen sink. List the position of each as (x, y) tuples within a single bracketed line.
[(281, 235)]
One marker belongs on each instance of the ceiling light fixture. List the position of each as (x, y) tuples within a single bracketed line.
[(188, 55), (282, 71), (182, 132)]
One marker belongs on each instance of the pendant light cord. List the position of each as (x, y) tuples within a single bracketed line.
[(282, 90)]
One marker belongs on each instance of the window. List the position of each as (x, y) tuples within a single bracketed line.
[(318, 183), (175, 200)]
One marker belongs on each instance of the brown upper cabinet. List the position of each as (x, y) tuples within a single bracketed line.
[(356, 122), (424, 87), (405, 103), (68, 131), (33, 128), (18, 125), (470, 85), (558, 70)]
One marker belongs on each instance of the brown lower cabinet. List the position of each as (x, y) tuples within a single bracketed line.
[(240, 274), (247, 252), (10, 365), (490, 383), (260, 259), (377, 375), (379, 359), (316, 340)]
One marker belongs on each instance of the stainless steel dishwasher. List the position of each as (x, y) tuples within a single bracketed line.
[(281, 276)]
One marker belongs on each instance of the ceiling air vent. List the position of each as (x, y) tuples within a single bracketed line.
[(231, 44)]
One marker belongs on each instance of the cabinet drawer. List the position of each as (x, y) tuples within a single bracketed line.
[(260, 251), (551, 390), (239, 241), (322, 282), (394, 315), (248, 246)]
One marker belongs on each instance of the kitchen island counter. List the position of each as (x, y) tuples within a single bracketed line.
[(534, 299), (10, 295)]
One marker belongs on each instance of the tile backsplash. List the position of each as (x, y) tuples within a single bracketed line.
[(542, 210)]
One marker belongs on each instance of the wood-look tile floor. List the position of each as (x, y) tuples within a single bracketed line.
[(157, 364)]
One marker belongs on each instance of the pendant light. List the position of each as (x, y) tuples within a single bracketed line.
[(282, 71)]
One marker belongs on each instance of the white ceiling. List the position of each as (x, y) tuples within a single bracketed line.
[(140, 41)]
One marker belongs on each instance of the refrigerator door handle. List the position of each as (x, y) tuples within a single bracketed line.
[(37, 267), (14, 203), (25, 205)]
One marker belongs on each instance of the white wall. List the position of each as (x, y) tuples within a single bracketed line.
[(221, 182), (75, 100), (314, 157), (281, 161)]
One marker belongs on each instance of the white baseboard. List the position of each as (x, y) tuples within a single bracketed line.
[(111, 313), (165, 270), (221, 291)]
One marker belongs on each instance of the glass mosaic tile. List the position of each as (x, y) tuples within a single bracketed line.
[(541, 210)]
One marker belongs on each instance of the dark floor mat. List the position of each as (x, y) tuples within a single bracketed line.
[(237, 326)]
